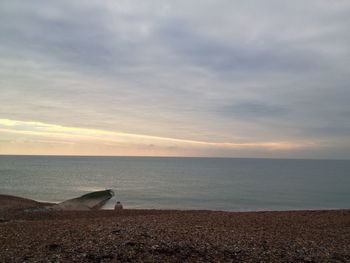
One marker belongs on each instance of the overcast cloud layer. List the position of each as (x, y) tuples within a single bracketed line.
[(238, 75)]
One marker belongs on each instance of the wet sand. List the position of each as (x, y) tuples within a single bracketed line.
[(171, 236)]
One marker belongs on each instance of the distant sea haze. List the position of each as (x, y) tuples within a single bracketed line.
[(231, 184)]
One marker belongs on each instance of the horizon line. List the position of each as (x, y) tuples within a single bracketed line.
[(169, 156)]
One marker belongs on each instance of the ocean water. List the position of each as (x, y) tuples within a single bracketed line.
[(231, 184)]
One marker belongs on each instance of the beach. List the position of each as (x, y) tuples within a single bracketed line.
[(35, 235), (174, 131)]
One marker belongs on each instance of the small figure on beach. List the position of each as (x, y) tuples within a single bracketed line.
[(118, 206)]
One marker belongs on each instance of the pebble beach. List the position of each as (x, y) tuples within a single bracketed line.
[(33, 235)]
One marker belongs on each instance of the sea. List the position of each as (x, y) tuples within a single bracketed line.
[(229, 184)]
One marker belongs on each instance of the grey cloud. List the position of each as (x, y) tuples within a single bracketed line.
[(254, 110), (196, 48), (227, 71), (79, 37)]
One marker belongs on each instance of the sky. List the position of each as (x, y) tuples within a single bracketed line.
[(216, 78)]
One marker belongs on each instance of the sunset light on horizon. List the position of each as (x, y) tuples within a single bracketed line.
[(75, 140)]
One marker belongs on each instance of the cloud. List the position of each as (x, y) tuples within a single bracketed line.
[(208, 71), (227, 57), (58, 33), (255, 110), (82, 134)]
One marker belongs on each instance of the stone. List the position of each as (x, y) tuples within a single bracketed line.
[(118, 206)]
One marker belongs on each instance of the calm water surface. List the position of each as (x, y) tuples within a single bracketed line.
[(183, 183)]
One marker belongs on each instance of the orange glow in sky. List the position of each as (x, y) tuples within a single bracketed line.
[(25, 137)]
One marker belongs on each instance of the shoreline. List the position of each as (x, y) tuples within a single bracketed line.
[(153, 235), (24, 200)]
